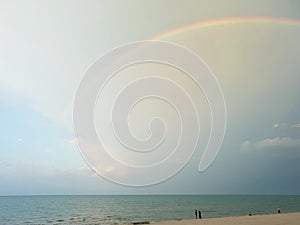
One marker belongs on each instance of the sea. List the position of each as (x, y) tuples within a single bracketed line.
[(126, 209)]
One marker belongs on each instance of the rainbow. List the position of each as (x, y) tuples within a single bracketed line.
[(227, 21)]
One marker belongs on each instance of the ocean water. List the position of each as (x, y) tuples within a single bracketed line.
[(128, 209)]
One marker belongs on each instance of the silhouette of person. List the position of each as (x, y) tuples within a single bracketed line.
[(200, 216), (196, 214)]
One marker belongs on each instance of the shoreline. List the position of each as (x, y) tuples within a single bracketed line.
[(267, 219)]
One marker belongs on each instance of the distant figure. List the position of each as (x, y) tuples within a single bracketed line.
[(200, 216), (278, 210), (250, 214), (196, 214)]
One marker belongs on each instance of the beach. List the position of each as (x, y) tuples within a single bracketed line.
[(271, 219), (169, 209)]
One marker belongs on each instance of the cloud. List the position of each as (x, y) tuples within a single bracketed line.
[(20, 139), (272, 143), (296, 126), (285, 126), (280, 126), (72, 141)]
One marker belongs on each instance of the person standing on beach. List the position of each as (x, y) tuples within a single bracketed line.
[(200, 216), (196, 214)]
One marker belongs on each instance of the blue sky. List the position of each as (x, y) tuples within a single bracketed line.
[(46, 48)]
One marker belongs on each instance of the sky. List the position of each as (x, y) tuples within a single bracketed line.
[(47, 47)]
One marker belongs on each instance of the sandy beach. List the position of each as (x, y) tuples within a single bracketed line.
[(272, 219)]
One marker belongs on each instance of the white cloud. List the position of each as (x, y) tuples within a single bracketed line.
[(296, 125), (20, 139), (72, 141), (285, 126), (272, 143), (280, 126)]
